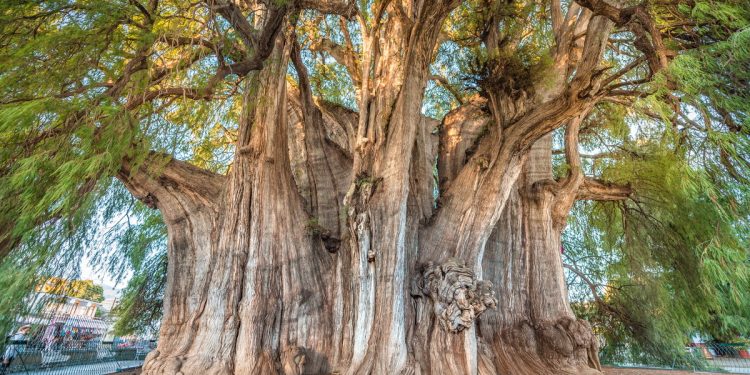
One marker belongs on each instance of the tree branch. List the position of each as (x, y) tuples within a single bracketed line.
[(443, 82), (233, 14), (588, 282), (343, 8), (638, 21), (567, 189), (184, 92), (342, 55), (160, 177), (597, 190)]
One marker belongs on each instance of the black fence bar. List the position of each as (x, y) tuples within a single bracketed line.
[(711, 357)]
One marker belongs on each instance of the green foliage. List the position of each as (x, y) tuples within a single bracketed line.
[(70, 73), (85, 289), (140, 309), (674, 259)]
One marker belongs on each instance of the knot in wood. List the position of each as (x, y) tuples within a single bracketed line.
[(458, 297), (149, 200)]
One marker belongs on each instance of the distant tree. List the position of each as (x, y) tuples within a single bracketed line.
[(84, 289), (376, 187)]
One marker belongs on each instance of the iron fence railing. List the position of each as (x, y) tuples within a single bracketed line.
[(731, 358), (711, 357), (74, 357)]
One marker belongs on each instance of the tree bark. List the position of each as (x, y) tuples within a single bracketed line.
[(324, 249), (246, 291)]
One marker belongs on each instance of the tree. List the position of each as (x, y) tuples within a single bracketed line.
[(317, 219), (84, 289)]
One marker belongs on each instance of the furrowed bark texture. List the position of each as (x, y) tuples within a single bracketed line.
[(324, 248), (246, 281)]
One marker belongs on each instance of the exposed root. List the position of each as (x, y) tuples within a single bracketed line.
[(564, 346), (571, 340)]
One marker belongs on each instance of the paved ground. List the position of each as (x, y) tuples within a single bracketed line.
[(109, 368), (130, 372), (92, 369), (733, 365), (642, 371)]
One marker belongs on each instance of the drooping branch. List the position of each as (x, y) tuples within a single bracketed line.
[(590, 284), (169, 92)]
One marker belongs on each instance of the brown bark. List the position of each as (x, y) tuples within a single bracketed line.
[(321, 251), (246, 291), (532, 330), (331, 246), (380, 223), (328, 166)]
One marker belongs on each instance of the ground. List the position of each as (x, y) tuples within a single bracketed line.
[(129, 372), (607, 371), (641, 371)]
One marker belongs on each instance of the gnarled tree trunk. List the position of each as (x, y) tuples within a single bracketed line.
[(324, 250)]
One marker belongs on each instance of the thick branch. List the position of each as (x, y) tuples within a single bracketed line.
[(598, 190), (160, 179), (343, 8), (568, 188), (328, 167), (459, 133), (637, 20), (233, 14), (342, 55)]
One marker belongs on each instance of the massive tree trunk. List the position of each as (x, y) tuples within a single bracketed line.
[(523, 258), (324, 250)]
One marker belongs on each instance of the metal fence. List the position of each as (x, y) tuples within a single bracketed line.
[(731, 358), (712, 357), (75, 357)]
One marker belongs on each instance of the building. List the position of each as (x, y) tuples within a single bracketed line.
[(59, 320)]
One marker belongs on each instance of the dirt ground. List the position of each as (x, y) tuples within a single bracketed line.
[(128, 372), (640, 371), (607, 371)]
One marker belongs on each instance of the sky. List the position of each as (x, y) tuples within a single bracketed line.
[(99, 274), (111, 287)]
